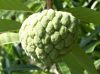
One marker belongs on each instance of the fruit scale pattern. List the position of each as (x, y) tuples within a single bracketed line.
[(47, 35)]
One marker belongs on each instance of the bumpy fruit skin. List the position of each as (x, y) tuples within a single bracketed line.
[(47, 35)]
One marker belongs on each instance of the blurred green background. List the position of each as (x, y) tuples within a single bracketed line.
[(13, 60)]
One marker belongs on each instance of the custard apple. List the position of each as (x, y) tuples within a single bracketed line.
[(47, 35)]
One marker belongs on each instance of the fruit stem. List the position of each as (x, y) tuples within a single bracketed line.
[(48, 4)]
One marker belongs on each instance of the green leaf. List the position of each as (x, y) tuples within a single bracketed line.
[(73, 65), (13, 5), (90, 47), (96, 54), (63, 68), (9, 25), (23, 68), (85, 41), (58, 4), (86, 14), (83, 59), (97, 63), (7, 64), (6, 38), (36, 7)]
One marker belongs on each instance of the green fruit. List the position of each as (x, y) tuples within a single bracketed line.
[(47, 35)]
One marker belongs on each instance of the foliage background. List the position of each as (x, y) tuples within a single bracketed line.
[(13, 59)]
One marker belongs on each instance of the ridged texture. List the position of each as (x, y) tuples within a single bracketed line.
[(47, 35)]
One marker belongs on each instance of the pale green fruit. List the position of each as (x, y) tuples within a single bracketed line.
[(47, 35)]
